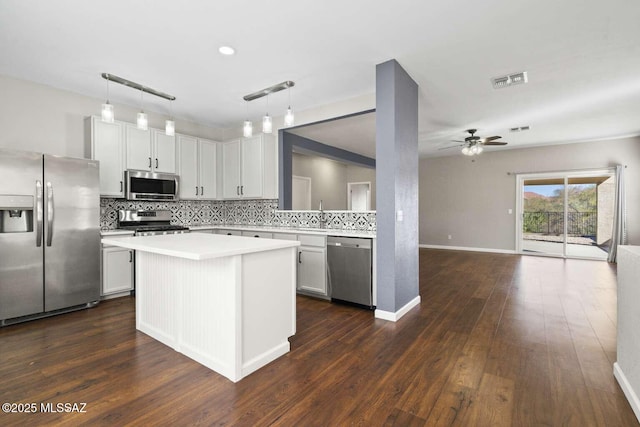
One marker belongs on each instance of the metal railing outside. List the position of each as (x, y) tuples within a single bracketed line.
[(578, 223)]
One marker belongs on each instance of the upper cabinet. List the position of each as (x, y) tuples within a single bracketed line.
[(197, 160), (108, 147), (249, 168), (150, 150)]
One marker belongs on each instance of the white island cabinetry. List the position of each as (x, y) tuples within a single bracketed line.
[(226, 302)]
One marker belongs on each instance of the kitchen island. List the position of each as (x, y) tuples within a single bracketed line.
[(227, 302)]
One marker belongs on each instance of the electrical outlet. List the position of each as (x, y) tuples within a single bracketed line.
[(449, 237), (510, 211)]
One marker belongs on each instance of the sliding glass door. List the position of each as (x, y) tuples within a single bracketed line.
[(566, 214)]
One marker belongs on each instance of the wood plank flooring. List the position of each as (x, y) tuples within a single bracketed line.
[(498, 340)]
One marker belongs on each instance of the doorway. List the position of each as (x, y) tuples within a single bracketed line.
[(300, 193), (359, 196), (566, 215)]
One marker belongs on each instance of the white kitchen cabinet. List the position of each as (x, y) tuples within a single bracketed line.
[(197, 168), (249, 168), (312, 265), (107, 145), (230, 232), (312, 268), (117, 270), (150, 150), (258, 234), (285, 236)]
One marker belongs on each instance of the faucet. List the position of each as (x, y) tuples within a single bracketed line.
[(323, 219)]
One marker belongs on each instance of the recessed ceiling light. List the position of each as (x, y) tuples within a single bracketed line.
[(226, 50)]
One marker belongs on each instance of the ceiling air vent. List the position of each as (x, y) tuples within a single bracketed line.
[(510, 80), (520, 128)]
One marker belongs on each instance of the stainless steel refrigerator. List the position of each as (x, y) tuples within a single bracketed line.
[(49, 234)]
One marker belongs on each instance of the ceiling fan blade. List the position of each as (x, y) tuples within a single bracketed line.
[(453, 146), (455, 140), (491, 138), (495, 143)]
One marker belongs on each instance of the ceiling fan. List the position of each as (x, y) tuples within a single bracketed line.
[(472, 145)]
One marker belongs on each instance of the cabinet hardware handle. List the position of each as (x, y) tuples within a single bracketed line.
[(196, 190), (256, 236), (121, 186), (242, 189), (149, 162), (299, 258), (130, 256), (229, 234), (156, 163), (201, 190), (238, 190)]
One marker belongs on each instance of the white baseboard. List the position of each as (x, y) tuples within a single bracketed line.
[(394, 317), (629, 392), (465, 248)]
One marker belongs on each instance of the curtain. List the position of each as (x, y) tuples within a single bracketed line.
[(619, 236)]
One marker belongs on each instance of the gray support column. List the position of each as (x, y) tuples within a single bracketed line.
[(397, 190)]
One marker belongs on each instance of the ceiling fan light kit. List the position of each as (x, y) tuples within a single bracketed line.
[(474, 145)]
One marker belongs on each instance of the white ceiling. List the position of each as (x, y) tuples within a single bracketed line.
[(582, 56)]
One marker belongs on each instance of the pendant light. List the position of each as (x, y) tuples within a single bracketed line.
[(169, 124), (142, 122), (288, 117), (267, 122), (107, 109), (247, 128)]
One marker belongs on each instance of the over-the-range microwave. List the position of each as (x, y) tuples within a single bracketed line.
[(143, 185)]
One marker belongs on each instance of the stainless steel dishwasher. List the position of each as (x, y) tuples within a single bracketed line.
[(349, 265)]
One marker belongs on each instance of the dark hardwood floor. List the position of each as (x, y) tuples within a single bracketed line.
[(498, 340)]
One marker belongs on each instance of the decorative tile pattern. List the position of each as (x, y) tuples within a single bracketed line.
[(239, 212)]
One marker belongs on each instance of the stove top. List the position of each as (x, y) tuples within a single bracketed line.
[(147, 223), (153, 227)]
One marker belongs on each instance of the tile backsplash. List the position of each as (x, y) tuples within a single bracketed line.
[(239, 212)]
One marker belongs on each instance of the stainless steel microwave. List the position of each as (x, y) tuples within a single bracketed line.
[(143, 185)]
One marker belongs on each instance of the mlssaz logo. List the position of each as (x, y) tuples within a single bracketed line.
[(63, 407)]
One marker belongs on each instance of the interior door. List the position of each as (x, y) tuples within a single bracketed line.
[(71, 232)]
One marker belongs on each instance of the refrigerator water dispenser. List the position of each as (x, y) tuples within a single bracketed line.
[(16, 214)]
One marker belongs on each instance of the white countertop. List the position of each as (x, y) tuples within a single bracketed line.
[(198, 246), (116, 233), (290, 230), (632, 249)]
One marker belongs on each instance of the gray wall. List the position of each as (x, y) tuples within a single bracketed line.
[(35, 117), (329, 179), (468, 198), (397, 186)]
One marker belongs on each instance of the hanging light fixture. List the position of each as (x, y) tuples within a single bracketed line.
[(288, 117), (267, 122), (247, 128), (143, 123), (169, 124), (107, 109)]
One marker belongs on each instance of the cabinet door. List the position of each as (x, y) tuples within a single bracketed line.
[(164, 152), (188, 168), (138, 148), (207, 169), (117, 270), (312, 270), (258, 234), (107, 146), (231, 170), (230, 232), (252, 167)]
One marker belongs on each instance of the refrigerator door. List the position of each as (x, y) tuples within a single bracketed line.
[(71, 232), (21, 285)]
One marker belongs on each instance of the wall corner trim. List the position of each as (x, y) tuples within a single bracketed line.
[(629, 392), (394, 317), (465, 248)]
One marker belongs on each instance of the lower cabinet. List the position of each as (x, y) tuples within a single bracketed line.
[(261, 234), (117, 270), (312, 270), (312, 263), (230, 232)]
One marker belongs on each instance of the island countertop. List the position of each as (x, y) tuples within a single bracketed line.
[(197, 246)]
